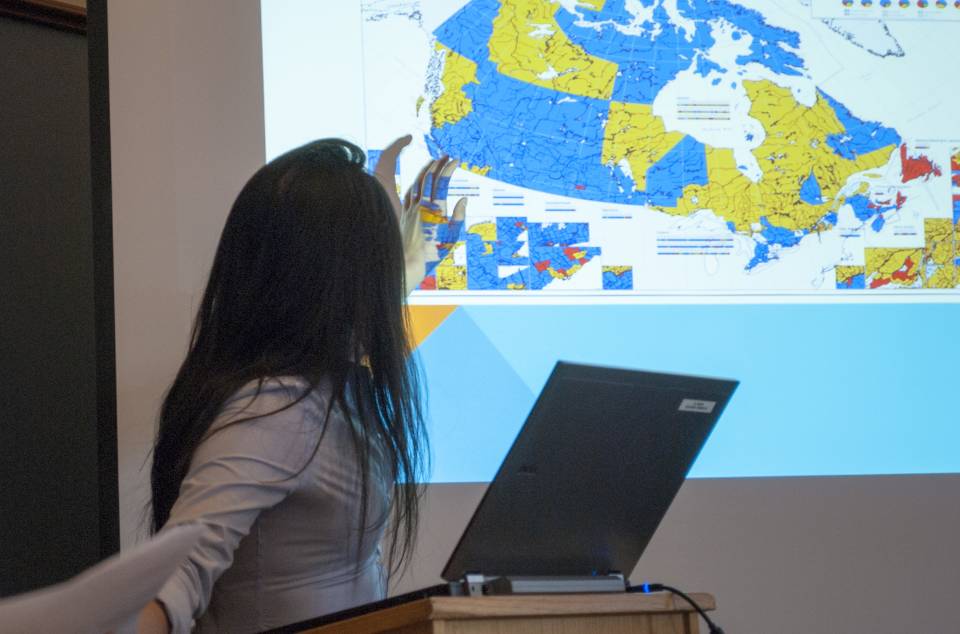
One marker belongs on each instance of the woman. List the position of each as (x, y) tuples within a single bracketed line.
[(297, 407)]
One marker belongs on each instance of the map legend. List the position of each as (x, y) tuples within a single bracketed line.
[(931, 10)]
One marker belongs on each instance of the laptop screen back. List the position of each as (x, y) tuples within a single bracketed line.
[(591, 473)]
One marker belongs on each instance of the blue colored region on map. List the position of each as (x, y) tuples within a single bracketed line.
[(646, 61), (830, 218), (450, 232), (863, 209), (469, 29), (551, 247), (482, 270), (509, 228), (761, 254), (706, 66), (810, 191), (507, 253), (520, 279), (786, 238), (858, 282), (771, 45), (372, 157), (779, 235), (549, 235), (618, 281), (956, 208), (536, 138), (508, 243), (861, 137), (685, 164)]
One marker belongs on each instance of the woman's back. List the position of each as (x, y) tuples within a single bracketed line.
[(308, 281), (280, 495)]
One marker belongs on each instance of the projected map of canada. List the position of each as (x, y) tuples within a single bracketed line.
[(767, 190), (623, 147)]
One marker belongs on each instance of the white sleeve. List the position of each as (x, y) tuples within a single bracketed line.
[(237, 472)]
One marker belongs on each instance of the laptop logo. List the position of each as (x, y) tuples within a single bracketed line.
[(697, 406)]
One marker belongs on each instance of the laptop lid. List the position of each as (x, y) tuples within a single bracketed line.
[(591, 473)]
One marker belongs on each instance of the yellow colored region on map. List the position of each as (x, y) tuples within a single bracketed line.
[(634, 133), (795, 146), (449, 260), (528, 44), (938, 270), (617, 270), (486, 230), (892, 267), (431, 216), (476, 169), (453, 104), (516, 287), (845, 274), (564, 274), (451, 278), (593, 5)]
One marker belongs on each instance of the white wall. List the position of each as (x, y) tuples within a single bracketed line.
[(806, 555), (187, 118)]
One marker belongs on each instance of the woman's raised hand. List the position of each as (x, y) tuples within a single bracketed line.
[(425, 225)]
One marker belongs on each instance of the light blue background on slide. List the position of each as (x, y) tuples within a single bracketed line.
[(826, 389)]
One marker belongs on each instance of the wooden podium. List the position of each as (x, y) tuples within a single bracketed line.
[(659, 613)]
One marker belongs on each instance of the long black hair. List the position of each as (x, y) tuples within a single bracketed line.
[(307, 282)]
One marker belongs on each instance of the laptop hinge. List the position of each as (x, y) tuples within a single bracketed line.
[(475, 584)]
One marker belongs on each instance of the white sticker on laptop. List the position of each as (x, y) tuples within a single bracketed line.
[(698, 406)]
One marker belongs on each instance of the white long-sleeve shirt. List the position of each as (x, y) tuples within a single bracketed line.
[(282, 522)]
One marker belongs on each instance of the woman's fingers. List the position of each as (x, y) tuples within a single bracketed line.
[(435, 177), (441, 179), (415, 193), (460, 211)]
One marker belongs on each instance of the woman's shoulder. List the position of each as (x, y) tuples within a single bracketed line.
[(287, 404), (262, 397)]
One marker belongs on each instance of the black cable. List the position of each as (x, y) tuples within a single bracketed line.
[(647, 588)]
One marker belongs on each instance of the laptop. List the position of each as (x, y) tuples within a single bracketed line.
[(582, 490)]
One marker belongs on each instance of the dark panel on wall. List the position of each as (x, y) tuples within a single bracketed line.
[(102, 219), (51, 467)]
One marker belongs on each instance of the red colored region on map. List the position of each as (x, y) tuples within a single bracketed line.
[(955, 162), (913, 168), (900, 200), (429, 283), (571, 253), (903, 274), (542, 266)]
